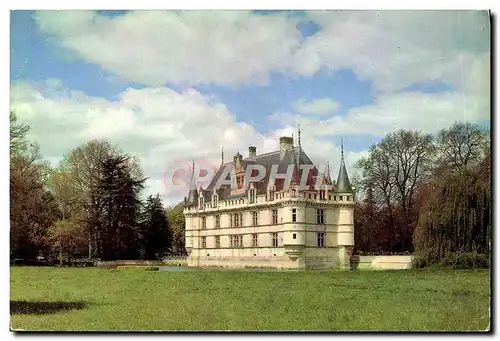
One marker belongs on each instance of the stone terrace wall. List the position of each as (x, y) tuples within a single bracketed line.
[(382, 262)]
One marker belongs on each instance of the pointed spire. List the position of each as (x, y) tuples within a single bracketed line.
[(343, 184), (192, 198), (222, 155), (342, 151), (327, 173)]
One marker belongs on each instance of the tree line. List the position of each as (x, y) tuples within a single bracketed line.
[(88, 205), (416, 193), (427, 195)]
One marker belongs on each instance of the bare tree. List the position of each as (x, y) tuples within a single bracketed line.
[(463, 145), (394, 170)]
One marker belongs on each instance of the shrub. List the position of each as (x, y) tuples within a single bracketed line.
[(466, 260), (419, 262)]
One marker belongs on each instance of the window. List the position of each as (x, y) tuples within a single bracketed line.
[(252, 196), (348, 198), (309, 195), (270, 197), (329, 197), (236, 220), (255, 218), (340, 198), (275, 240), (255, 241), (236, 241), (321, 239), (320, 217), (217, 242), (294, 215), (315, 196), (239, 181), (275, 217), (214, 200), (217, 221), (294, 236), (204, 222), (293, 193), (322, 195), (203, 242)]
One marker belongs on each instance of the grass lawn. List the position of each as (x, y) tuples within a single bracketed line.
[(98, 299)]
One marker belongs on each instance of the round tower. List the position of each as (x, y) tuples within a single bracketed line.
[(294, 239), (345, 200)]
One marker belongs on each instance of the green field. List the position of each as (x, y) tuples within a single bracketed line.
[(99, 299)]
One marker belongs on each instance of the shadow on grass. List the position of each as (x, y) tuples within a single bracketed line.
[(40, 308)]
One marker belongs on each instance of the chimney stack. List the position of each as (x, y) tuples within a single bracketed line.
[(286, 145), (252, 152)]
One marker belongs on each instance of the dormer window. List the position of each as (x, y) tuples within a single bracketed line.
[(251, 196), (239, 182), (215, 200)]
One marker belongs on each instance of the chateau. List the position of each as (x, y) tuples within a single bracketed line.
[(266, 223)]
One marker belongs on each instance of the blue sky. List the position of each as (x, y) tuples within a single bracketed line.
[(244, 78)]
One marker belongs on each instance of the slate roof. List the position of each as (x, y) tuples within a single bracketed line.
[(266, 160)]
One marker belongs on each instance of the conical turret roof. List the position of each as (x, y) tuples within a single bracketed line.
[(192, 198), (343, 183)]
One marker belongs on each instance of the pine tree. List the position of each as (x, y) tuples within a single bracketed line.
[(114, 217), (156, 233)]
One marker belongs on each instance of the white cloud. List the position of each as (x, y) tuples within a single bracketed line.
[(396, 48), (425, 112), (392, 48), (318, 106), (165, 128), (428, 112), (152, 47)]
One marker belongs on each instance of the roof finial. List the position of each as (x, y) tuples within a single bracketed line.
[(342, 150), (193, 184), (222, 155), (299, 135)]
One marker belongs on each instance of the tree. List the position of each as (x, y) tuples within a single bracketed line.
[(177, 224), (18, 131), (392, 173), (457, 217), (67, 237), (62, 186), (32, 208), (463, 145), (114, 209), (75, 181), (156, 234)]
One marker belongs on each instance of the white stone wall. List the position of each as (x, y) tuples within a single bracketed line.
[(382, 262), (338, 230)]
